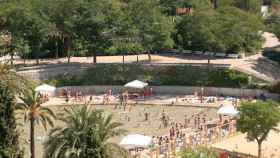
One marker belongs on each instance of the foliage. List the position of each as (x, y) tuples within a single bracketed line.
[(154, 27), (274, 24), (164, 75), (31, 110), (24, 20), (51, 28), (198, 152), (9, 143), (15, 82), (258, 119), (85, 135), (227, 29)]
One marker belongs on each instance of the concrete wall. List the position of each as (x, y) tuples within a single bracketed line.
[(178, 90), (43, 73)]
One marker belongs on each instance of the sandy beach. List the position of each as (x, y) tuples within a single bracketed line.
[(136, 124)]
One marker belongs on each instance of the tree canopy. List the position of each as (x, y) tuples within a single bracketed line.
[(63, 28), (227, 29), (257, 120)]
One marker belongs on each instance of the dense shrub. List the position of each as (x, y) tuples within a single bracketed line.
[(155, 75)]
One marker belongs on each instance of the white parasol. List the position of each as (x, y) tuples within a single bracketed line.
[(45, 88), (136, 84), (228, 110), (136, 140)]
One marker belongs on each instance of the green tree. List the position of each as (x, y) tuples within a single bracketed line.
[(22, 48), (24, 19), (63, 16), (98, 23), (154, 27), (33, 111), (227, 29), (9, 143), (257, 120), (85, 135)]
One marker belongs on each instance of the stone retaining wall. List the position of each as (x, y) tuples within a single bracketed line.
[(44, 72)]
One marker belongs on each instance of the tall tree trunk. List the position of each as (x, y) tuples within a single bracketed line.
[(137, 58), (94, 58), (123, 63), (216, 4), (36, 54), (259, 149), (56, 48), (66, 42), (24, 60), (12, 59), (32, 140), (68, 57), (149, 56)]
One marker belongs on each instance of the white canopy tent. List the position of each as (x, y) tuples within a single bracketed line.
[(136, 84), (136, 141), (228, 110), (45, 88)]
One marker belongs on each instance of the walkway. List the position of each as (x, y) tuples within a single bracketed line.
[(255, 65)]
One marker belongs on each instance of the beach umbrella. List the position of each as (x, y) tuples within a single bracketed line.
[(45, 88), (136, 141), (228, 110), (136, 84)]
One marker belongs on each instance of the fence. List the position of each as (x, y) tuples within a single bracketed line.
[(179, 90)]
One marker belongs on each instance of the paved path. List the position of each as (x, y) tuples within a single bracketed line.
[(239, 143), (255, 65)]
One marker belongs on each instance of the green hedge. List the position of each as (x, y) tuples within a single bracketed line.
[(155, 75)]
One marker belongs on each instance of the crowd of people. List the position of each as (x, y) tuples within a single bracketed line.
[(195, 130), (44, 97)]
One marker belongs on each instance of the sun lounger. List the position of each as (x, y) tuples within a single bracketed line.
[(198, 52), (220, 55), (187, 51), (235, 56), (209, 53)]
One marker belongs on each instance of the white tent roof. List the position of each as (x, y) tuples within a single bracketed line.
[(45, 88), (136, 84), (228, 110), (136, 140)]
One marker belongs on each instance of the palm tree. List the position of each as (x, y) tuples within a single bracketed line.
[(85, 135), (34, 112)]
